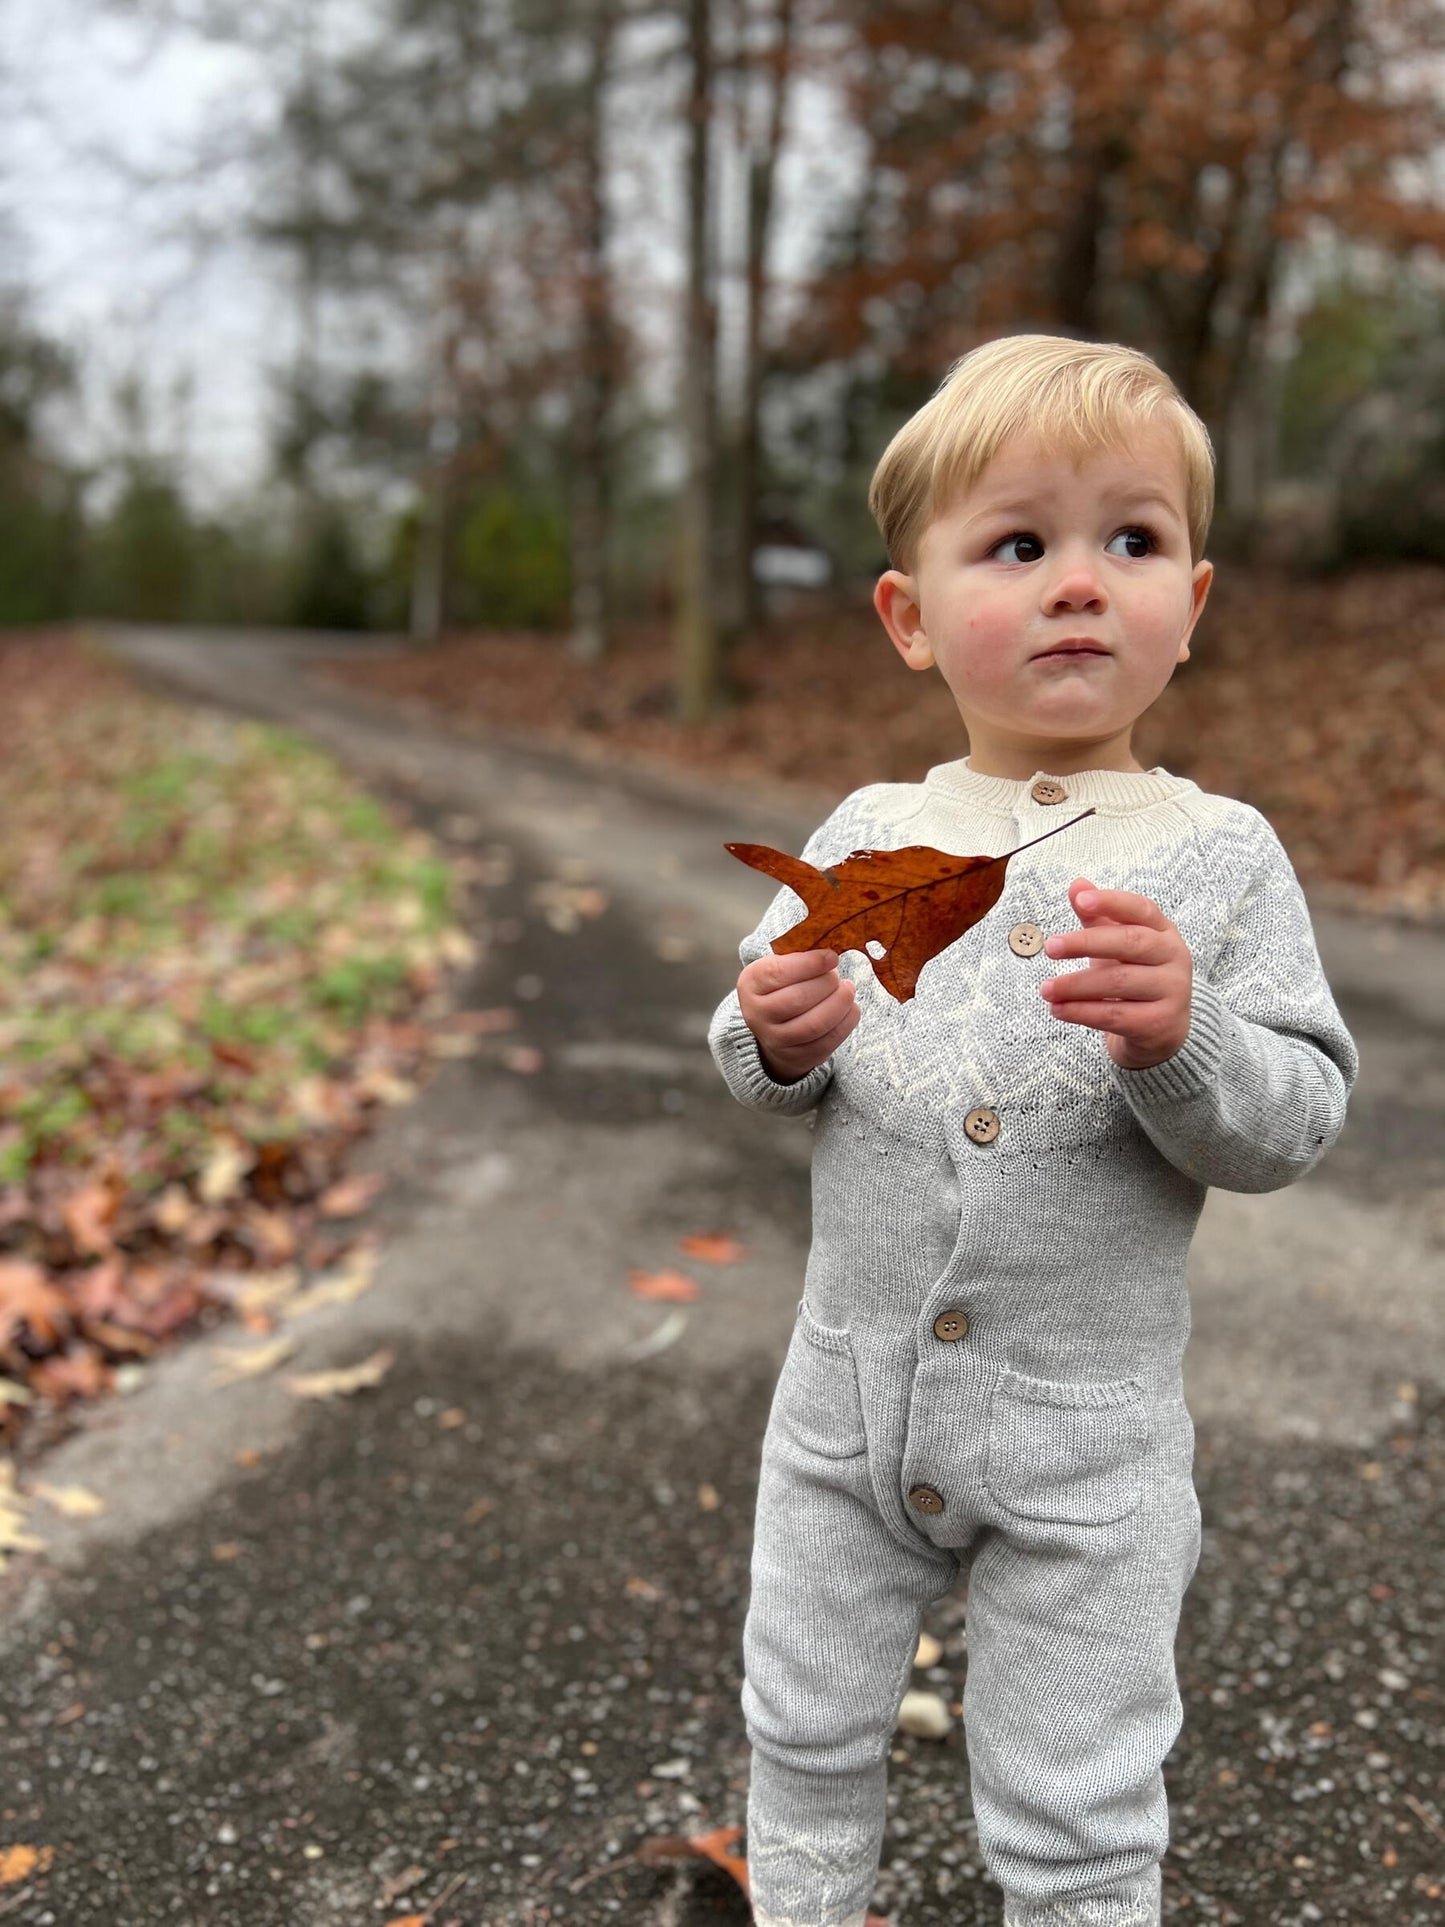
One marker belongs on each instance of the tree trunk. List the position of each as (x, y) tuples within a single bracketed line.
[(428, 575), (694, 620), (595, 373), (1076, 290), (744, 602)]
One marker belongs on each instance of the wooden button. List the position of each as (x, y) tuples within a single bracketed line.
[(1045, 792), (982, 1125), (923, 1498), (950, 1325), (1026, 940)]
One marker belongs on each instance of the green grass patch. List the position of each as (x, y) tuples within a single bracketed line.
[(174, 887)]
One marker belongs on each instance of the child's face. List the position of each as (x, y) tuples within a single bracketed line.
[(1039, 554)]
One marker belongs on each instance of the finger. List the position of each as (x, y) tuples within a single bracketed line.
[(793, 1001), (820, 1021), (1131, 942), (841, 1030), (1126, 1020), (776, 970), (1128, 982), (1120, 906)]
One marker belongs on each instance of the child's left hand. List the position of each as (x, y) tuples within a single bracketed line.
[(1139, 995)]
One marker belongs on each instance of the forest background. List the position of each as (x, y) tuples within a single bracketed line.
[(599, 313)]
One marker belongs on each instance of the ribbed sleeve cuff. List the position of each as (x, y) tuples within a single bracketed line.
[(735, 1051), (1194, 1067)]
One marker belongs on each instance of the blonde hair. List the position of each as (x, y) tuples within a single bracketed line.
[(1075, 396)]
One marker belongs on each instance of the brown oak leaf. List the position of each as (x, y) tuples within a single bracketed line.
[(911, 902)]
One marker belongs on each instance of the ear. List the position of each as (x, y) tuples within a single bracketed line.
[(1199, 586), (896, 599)]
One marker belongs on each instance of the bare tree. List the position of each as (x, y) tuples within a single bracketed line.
[(695, 623)]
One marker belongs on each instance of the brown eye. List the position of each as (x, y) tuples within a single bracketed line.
[(1025, 540), (1145, 538)]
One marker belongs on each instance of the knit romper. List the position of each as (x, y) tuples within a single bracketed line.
[(985, 1368)]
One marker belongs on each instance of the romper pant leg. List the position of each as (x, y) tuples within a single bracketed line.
[(1071, 1703), (830, 1637)]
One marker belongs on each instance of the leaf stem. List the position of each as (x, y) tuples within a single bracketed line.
[(1048, 833)]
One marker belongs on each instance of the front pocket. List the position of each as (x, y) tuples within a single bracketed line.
[(817, 1402), (1067, 1454)]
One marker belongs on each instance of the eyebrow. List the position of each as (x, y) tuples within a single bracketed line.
[(1142, 498)]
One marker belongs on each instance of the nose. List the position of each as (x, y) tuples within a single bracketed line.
[(1078, 584)]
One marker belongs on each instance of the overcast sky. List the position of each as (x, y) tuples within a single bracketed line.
[(103, 253), (157, 281)]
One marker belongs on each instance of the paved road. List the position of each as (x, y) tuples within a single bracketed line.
[(480, 1627)]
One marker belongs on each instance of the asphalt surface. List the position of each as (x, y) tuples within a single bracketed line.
[(456, 1646)]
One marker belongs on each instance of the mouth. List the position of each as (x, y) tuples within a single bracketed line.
[(1074, 647)]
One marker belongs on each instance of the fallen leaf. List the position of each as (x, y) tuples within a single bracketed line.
[(713, 1247), (270, 1234), (667, 1333), (29, 1300), (912, 903), (337, 1287), (385, 1086), (173, 1210), (226, 1166), (715, 1846), (120, 1338), (674, 1286), (343, 1379), (235, 1364), (350, 1195), (79, 1372), (73, 1500), (12, 1518), (256, 1291), (18, 1863), (90, 1212)]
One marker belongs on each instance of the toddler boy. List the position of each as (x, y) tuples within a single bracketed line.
[(1007, 1170)]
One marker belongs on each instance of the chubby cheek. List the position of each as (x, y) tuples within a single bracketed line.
[(987, 645)]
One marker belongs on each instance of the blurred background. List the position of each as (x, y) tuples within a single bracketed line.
[(573, 329), (399, 313)]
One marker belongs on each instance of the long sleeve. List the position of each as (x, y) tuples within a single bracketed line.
[(734, 1048), (1256, 1094)]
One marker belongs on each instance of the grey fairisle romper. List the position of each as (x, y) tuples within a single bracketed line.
[(986, 1361)]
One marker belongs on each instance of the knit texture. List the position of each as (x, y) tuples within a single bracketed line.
[(1048, 1446)]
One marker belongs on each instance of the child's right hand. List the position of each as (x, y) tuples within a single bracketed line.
[(798, 1008)]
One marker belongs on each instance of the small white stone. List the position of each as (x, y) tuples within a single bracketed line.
[(930, 1651), (925, 1715)]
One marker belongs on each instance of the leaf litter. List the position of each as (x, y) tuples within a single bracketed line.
[(219, 960)]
